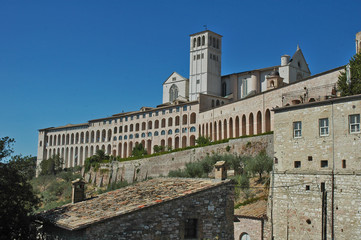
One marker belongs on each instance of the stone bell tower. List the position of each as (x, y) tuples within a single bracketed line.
[(205, 64)]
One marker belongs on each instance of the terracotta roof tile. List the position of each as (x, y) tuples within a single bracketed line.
[(124, 200), (254, 210)]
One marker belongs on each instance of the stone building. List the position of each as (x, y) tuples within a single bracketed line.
[(163, 208), (207, 104), (251, 221), (317, 172)]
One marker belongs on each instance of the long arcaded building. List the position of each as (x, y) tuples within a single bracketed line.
[(206, 103)]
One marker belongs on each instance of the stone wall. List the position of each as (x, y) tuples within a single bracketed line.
[(298, 212), (253, 227), (213, 209), (137, 170)]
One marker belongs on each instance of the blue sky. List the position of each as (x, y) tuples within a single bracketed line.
[(71, 61)]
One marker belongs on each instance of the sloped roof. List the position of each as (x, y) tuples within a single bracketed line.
[(253, 210), (132, 198)]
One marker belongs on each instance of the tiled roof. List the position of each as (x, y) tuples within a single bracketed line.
[(124, 200), (254, 210)]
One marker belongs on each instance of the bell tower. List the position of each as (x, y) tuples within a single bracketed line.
[(205, 64)]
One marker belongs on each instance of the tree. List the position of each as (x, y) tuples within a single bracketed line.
[(95, 160), (26, 165), (260, 164), (202, 141), (139, 150), (52, 165), (157, 148), (6, 147), (355, 85), (17, 200)]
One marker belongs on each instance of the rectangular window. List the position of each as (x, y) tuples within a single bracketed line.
[(310, 158), (297, 164), (131, 118), (354, 121), (126, 119), (244, 87), (307, 187), (177, 109), (343, 163), (138, 116), (198, 81), (185, 108), (323, 124), (191, 229), (144, 115), (324, 163), (104, 122), (110, 121), (156, 113), (150, 114), (163, 112), (115, 120), (170, 110), (297, 129), (120, 119), (202, 55)]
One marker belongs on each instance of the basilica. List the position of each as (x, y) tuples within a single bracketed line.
[(204, 104)]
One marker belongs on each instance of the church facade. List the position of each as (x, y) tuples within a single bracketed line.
[(205, 104)]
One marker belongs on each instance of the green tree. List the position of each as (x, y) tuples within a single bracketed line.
[(139, 150), (52, 165), (355, 85), (6, 149), (260, 164), (157, 148), (26, 165), (17, 200), (94, 160), (202, 141)]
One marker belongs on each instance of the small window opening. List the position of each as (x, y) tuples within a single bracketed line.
[(309, 158), (308, 221), (297, 164), (343, 163), (323, 187), (307, 187), (324, 163)]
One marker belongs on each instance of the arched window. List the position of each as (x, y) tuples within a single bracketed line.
[(212, 103), (173, 93), (217, 43), (143, 135), (217, 103), (194, 42), (203, 40), (131, 136), (120, 138), (198, 41), (224, 89), (193, 129), (193, 118), (170, 132), (115, 130), (244, 236), (125, 137), (162, 132), (177, 130), (149, 134), (156, 133), (170, 122), (137, 135)]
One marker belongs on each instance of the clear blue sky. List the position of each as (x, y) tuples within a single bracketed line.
[(71, 61)]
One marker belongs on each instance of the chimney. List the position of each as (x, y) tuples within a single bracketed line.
[(78, 191), (220, 171)]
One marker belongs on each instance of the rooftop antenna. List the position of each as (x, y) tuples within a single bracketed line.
[(205, 27)]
